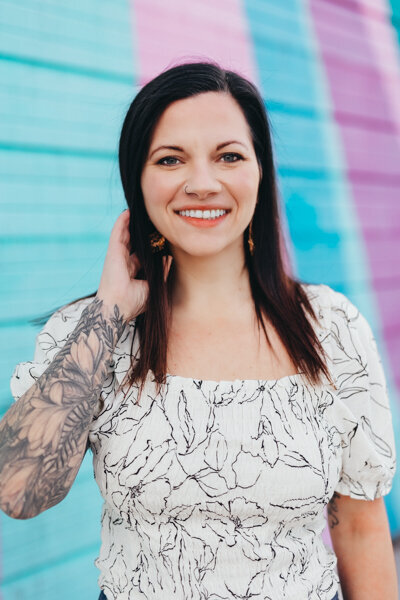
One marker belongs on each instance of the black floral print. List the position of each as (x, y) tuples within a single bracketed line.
[(216, 490)]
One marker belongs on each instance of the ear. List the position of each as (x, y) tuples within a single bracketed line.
[(261, 171)]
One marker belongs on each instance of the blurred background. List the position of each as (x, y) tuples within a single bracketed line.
[(329, 71)]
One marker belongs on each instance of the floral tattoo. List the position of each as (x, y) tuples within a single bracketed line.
[(43, 436)]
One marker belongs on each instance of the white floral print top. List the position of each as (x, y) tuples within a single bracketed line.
[(216, 490)]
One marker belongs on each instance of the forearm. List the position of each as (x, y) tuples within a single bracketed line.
[(366, 563), (43, 435)]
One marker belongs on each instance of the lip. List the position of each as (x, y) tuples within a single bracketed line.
[(203, 223)]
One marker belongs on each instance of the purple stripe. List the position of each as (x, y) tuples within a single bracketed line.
[(359, 51)]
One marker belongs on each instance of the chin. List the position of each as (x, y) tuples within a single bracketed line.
[(203, 251)]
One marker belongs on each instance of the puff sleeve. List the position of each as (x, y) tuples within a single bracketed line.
[(362, 408), (49, 341)]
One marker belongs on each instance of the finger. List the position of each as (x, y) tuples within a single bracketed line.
[(120, 230), (122, 219)]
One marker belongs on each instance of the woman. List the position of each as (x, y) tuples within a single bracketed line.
[(216, 446)]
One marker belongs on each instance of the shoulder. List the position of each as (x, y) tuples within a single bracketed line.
[(347, 334), (60, 325), (70, 312), (342, 326), (49, 341), (332, 306), (325, 296)]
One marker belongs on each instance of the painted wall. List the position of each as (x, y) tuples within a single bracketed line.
[(329, 71)]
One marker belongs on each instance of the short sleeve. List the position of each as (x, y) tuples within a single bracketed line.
[(363, 413), (49, 341)]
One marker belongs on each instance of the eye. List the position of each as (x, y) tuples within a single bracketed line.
[(235, 154), (161, 161), (232, 155)]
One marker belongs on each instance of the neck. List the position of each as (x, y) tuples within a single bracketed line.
[(213, 285)]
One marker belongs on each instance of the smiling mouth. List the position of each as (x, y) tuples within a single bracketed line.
[(203, 215), (203, 218)]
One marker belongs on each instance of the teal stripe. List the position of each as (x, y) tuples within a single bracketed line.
[(68, 68), (24, 321), (78, 15), (58, 150), (91, 550), (307, 174), (43, 238), (292, 109)]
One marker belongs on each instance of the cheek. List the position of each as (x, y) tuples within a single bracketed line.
[(246, 184), (155, 193)]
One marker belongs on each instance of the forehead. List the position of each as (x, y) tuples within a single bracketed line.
[(212, 114)]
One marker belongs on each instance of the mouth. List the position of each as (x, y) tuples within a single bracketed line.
[(205, 214), (203, 218)]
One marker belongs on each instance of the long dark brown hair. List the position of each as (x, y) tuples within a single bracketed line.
[(276, 293)]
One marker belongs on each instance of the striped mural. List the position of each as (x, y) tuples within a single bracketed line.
[(329, 71), (359, 46)]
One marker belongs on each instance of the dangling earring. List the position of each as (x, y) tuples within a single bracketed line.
[(251, 242), (157, 242)]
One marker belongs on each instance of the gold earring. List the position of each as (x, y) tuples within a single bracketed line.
[(251, 241), (157, 242)]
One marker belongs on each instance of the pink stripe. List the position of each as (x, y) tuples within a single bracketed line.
[(360, 52), (178, 31), (374, 9)]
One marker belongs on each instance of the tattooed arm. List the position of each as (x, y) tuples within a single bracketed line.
[(43, 436), (361, 540)]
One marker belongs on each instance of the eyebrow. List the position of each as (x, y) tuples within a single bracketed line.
[(179, 149)]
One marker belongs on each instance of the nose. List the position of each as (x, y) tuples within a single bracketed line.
[(202, 181)]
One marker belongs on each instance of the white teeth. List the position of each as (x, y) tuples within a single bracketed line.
[(203, 214)]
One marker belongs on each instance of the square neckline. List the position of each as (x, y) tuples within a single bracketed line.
[(294, 378)]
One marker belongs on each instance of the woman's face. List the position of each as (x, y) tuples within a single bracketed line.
[(202, 143)]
